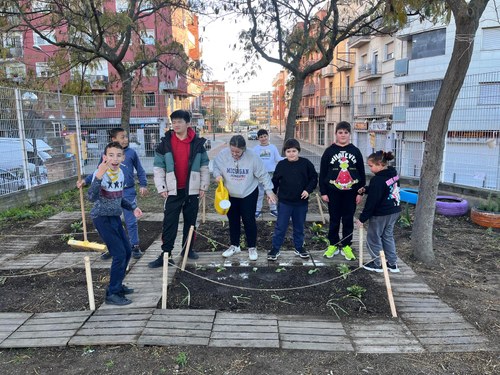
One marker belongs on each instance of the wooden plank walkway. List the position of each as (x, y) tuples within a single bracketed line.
[(425, 323)]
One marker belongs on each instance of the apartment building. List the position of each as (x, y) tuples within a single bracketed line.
[(279, 102), (214, 105), (261, 108)]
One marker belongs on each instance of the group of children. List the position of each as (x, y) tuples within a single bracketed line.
[(341, 185)]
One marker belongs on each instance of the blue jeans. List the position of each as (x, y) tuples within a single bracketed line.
[(298, 215), (380, 236), (130, 220), (111, 230)]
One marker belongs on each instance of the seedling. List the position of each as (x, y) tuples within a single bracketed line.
[(344, 270), (186, 299), (356, 291), (181, 359), (221, 268), (242, 243), (110, 364), (200, 267), (270, 223), (66, 237), (280, 269), (213, 244), (242, 299), (313, 271), (77, 226), (319, 233), (88, 350), (405, 219), (3, 279), (281, 299), (254, 269)]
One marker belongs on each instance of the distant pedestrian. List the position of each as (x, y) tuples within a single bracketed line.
[(342, 174), (294, 180), (270, 156), (181, 177), (130, 165), (242, 171), (382, 210), (106, 191)]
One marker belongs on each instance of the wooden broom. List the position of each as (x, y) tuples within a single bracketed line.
[(85, 244)]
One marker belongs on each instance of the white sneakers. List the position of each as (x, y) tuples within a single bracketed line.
[(231, 251), (252, 252)]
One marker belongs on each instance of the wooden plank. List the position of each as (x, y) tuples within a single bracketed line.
[(315, 338), (50, 327), (439, 326), (103, 340), (176, 332), (115, 324), (246, 322), (166, 341), (310, 324), (457, 348), (244, 343), (313, 331), (244, 335), (110, 319), (448, 333), (185, 313), (42, 334), (228, 328), (109, 331), (389, 349), (181, 325), (63, 314), (34, 342), (249, 317), (453, 340), (180, 318), (336, 347), (383, 341), (375, 334)]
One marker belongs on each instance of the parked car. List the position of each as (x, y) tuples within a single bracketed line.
[(252, 135), (9, 182)]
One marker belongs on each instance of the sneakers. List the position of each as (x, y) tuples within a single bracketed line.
[(302, 253), (158, 262), (136, 252), (257, 214), (117, 299), (371, 266), (191, 255), (274, 213), (331, 251), (273, 254), (231, 251), (347, 253), (393, 267), (106, 256), (252, 253), (126, 290)]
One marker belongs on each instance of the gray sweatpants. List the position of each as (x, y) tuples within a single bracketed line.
[(380, 236)]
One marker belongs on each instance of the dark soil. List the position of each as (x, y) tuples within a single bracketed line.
[(327, 294)]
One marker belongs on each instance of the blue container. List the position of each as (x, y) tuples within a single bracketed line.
[(408, 195)]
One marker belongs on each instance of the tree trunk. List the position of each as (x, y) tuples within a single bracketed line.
[(466, 22), (126, 100), (294, 107)]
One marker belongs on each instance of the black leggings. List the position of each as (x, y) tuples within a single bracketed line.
[(243, 208)]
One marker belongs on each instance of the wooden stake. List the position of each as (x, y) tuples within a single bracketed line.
[(165, 282), (90, 287), (203, 211), (186, 250), (388, 285), (361, 244), (320, 209)]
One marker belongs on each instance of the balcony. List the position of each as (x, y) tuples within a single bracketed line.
[(98, 82), (309, 89), (328, 71), (169, 85), (345, 60), (370, 71), (359, 41)]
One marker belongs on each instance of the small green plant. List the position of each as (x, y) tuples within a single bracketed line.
[(491, 204), (200, 267), (405, 219), (181, 359), (66, 237), (242, 299), (344, 270), (88, 350), (255, 269), (213, 244), (281, 299), (77, 226), (356, 291), (319, 233), (109, 364), (280, 269), (221, 268), (3, 279), (313, 271), (242, 243)]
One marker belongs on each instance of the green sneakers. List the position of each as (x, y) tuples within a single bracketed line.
[(347, 253), (331, 251)]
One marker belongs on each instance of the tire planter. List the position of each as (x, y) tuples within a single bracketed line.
[(485, 218), (408, 195), (451, 206)]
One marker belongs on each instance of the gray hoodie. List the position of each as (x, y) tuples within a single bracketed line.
[(241, 177)]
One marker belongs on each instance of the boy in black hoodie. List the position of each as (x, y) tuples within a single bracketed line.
[(342, 174), (382, 209)]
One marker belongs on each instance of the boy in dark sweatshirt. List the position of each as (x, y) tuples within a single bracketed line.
[(342, 174)]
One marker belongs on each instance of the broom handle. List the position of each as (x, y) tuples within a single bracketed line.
[(82, 206)]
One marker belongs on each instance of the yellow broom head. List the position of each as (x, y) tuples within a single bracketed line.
[(87, 245)]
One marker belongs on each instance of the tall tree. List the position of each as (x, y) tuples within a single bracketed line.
[(89, 31), (466, 16)]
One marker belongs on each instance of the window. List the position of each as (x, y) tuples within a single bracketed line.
[(39, 41), (109, 101), (387, 95), (148, 37), (389, 51), (491, 38), (12, 40), (150, 99), (428, 44), (121, 5), (42, 69), (423, 94), (489, 93), (15, 71)]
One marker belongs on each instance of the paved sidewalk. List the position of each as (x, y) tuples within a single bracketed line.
[(425, 323)]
